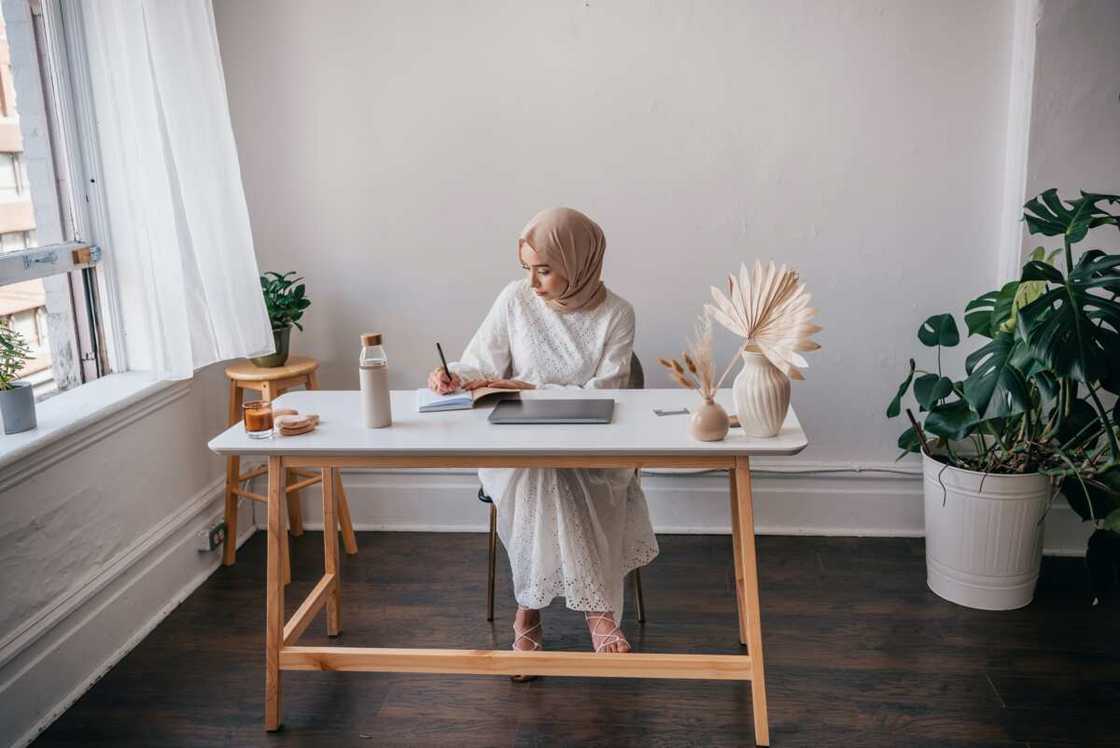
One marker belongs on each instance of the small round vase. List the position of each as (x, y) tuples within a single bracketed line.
[(709, 422), (761, 395)]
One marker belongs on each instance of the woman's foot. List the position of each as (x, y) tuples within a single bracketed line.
[(527, 635), (606, 636)]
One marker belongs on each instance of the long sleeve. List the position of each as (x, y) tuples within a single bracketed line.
[(488, 352), (613, 371)]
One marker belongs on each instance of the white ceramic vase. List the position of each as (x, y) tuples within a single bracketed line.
[(761, 395), (983, 535)]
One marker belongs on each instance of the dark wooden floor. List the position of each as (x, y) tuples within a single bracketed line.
[(858, 652)]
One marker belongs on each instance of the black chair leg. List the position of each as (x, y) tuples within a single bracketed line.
[(493, 553), (640, 603)]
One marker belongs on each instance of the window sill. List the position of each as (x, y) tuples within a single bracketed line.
[(73, 420)]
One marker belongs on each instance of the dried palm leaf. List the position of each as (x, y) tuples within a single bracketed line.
[(769, 308)]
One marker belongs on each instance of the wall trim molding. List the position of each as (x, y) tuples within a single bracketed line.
[(40, 454), (81, 592), (161, 543), (791, 498)]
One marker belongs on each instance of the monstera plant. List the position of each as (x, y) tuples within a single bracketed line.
[(1033, 398)]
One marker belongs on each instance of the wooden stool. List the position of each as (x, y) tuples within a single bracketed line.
[(272, 383)]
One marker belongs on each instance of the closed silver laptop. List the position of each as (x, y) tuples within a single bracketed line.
[(553, 411)]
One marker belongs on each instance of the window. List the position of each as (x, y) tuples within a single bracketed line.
[(51, 284)]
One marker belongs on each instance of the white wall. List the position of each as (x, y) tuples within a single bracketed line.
[(1075, 117), (392, 151)]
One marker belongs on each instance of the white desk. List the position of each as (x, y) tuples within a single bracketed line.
[(637, 438)]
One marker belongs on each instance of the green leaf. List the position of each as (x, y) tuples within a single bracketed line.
[(1037, 270), (1102, 497), (895, 406), (940, 329), (908, 442), (1084, 210), (1112, 521), (1026, 293), (994, 311), (994, 387), (1047, 386), (284, 297), (1073, 328), (929, 388), (1041, 219), (1080, 416), (978, 314), (1003, 314), (953, 420), (1047, 215), (1050, 197)]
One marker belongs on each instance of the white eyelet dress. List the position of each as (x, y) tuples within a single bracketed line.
[(569, 532)]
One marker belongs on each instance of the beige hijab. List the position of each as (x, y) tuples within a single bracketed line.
[(572, 244)]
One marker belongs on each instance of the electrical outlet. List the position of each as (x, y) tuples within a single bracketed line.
[(212, 537)]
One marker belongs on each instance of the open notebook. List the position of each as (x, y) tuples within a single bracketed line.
[(431, 402)]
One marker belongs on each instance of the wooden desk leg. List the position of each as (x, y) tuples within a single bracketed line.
[(295, 510), (743, 529), (233, 470), (274, 599), (285, 545), (737, 559), (330, 550), (349, 542)]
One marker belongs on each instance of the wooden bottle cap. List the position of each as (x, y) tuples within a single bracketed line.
[(371, 338)]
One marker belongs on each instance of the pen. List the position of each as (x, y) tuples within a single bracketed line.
[(446, 371)]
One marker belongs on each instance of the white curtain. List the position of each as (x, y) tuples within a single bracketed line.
[(179, 237)]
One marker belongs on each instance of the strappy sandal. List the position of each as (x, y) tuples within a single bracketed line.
[(536, 646), (602, 640)]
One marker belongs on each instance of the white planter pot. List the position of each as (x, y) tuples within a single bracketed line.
[(983, 535), (761, 394)]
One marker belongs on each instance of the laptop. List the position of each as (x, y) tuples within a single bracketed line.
[(553, 411)]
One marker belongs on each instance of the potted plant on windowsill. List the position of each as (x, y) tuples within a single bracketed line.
[(1027, 420), (286, 301), (17, 398)]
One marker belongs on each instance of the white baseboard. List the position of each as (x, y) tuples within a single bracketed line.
[(861, 502), (58, 655)]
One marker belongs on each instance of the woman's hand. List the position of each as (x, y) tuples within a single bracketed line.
[(504, 384), (438, 382)]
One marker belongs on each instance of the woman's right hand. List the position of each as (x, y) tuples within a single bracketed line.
[(438, 382)]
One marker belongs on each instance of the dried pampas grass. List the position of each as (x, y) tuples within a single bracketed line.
[(698, 362)]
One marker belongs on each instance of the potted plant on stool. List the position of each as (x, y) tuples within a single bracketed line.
[(1027, 420), (286, 302), (17, 398)]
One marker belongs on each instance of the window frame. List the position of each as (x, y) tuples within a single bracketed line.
[(95, 310)]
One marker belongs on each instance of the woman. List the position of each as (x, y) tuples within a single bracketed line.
[(569, 532)]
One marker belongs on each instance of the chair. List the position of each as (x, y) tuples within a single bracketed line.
[(637, 382)]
